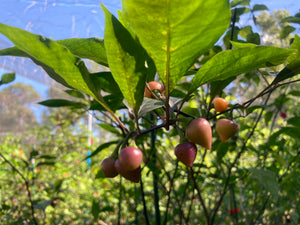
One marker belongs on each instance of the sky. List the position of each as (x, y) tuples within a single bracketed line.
[(61, 19)]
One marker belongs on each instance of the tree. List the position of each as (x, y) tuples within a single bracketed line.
[(16, 108), (274, 31)]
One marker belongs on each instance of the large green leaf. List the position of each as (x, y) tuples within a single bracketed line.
[(230, 63), (175, 33), (89, 48), (57, 57), (126, 60)]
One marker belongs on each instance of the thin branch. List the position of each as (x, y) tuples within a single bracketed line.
[(200, 197), (144, 203), (169, 193), (26, 184), (261, 210)]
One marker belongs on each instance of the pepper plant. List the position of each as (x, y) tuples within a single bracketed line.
[(178, 44)]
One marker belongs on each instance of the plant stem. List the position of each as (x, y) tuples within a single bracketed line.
[(26, 184), (169, 193), (120, 201), (232, 27), (207, 217), (144, 203), (155, 177)]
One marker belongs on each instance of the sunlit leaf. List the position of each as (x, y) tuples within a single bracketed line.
[(57, 57), (176, 33), (89, 48), (230, 63), (126, 60)]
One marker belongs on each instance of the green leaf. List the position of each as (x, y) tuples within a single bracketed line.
[(126, 60), (45, 156), (267, 179), (295, 121), (286, 30), (295, 93), (110, 128), (240, 11), (7, 78), (57, 185), (242, 45), (293, 132), (175, 33), (115, 102), (106, 82), (259, 7), (100, 148), (239, 2), (231, 63), (245, 31), (217, 87), (222, 149), (253, 38), (293, 67), (291, 19), (149, 105), (253, 108), (228, 37), (62, 103), (89, 48), (75, 94), (95, 209), (55, 56), (48, 163), (100, 175), (13, 51)]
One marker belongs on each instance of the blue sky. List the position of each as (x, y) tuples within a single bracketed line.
[(61, 19)]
